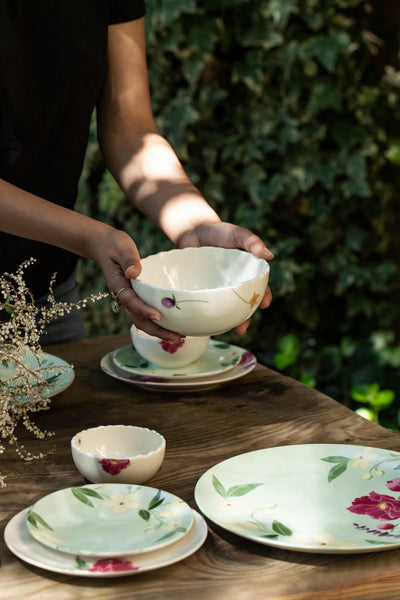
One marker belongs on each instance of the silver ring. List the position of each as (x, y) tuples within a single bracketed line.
[(114, 303)]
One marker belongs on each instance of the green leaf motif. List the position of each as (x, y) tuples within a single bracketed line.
[(82, 493), (156, 501), (241, 490), (33, 518), (335, 459), (336, 471), (219, 488), (281, 529), (144, 514), (80, 563)]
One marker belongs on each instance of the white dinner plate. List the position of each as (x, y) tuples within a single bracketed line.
[(326, 498), (57, 381), (217, 358), (24, 546), (246, 364), (109, 519)]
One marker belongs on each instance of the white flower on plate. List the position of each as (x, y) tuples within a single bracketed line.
[(122, 502), (234, 524), (265, 509), (172, 510), (234, 506), (363, 459), (322, 539), (172, 524), (44, 535)]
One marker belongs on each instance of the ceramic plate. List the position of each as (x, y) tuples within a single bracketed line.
[(109, 519), (217, 358), (22, 544), (314, 497), (57, 381), (246, 364)]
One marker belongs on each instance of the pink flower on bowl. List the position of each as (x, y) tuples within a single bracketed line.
[(114, 465), (105, 565), (171, 347)]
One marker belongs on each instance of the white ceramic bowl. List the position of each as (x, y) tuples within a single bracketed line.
[(168, 354), (202, 291), (118, 453)]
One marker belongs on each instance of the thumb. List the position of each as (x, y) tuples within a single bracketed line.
[(129, 258), (133, 269)]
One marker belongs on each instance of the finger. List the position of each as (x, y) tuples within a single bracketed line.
[(242, 328), (267, 299)]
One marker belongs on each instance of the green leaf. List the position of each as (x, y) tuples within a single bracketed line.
[(81, 496), (80, 563), (34, 519), (335, 459), (241, 490), (336, 471), (89, 492), (281, 529), (219, 488), (156, 501), (144, 514)]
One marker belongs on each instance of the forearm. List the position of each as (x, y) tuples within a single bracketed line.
[(26, 215), (149, 172)]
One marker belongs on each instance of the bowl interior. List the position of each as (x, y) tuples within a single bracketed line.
[(201, 268), (116, 441)]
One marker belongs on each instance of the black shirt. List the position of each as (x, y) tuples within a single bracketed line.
[(52, 68)]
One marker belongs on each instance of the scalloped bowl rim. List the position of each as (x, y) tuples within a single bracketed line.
[(201, 290), (161, 445)]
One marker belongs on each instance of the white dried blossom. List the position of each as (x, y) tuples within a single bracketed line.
[(23, 392)]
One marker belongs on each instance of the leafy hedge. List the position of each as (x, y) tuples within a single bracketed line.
[(286, 115)]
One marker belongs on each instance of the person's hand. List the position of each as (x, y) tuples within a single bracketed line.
[(119, 259), (226, 235)]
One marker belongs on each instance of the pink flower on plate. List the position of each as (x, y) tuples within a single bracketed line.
[(377, 506), (385, 526), (171, 347), (112, 564), (114, 465), (394, 484), (246, 358)]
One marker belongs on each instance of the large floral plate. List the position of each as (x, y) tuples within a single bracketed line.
[(217, 358), (246, 364), (109, 519), (55, 371), (314, 497), (25, 547)]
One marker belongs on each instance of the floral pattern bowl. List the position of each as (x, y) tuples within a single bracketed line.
[(168, 354), (118, 453), (202, 291)]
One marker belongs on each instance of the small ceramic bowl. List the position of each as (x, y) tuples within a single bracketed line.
[(202, 291), (118, 453), (168, 354)]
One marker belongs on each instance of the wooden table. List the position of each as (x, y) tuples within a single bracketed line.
[(261, 410)]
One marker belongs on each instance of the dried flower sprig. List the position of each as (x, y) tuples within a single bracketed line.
[(24, 381)]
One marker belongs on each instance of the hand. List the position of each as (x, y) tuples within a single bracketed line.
[(227, 235), (119, 259)]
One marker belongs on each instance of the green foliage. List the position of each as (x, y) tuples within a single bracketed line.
[(286, 115)]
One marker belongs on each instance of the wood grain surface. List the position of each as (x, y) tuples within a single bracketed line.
[(263, 409)]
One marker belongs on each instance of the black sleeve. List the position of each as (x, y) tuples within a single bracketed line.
[(120, 11)]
